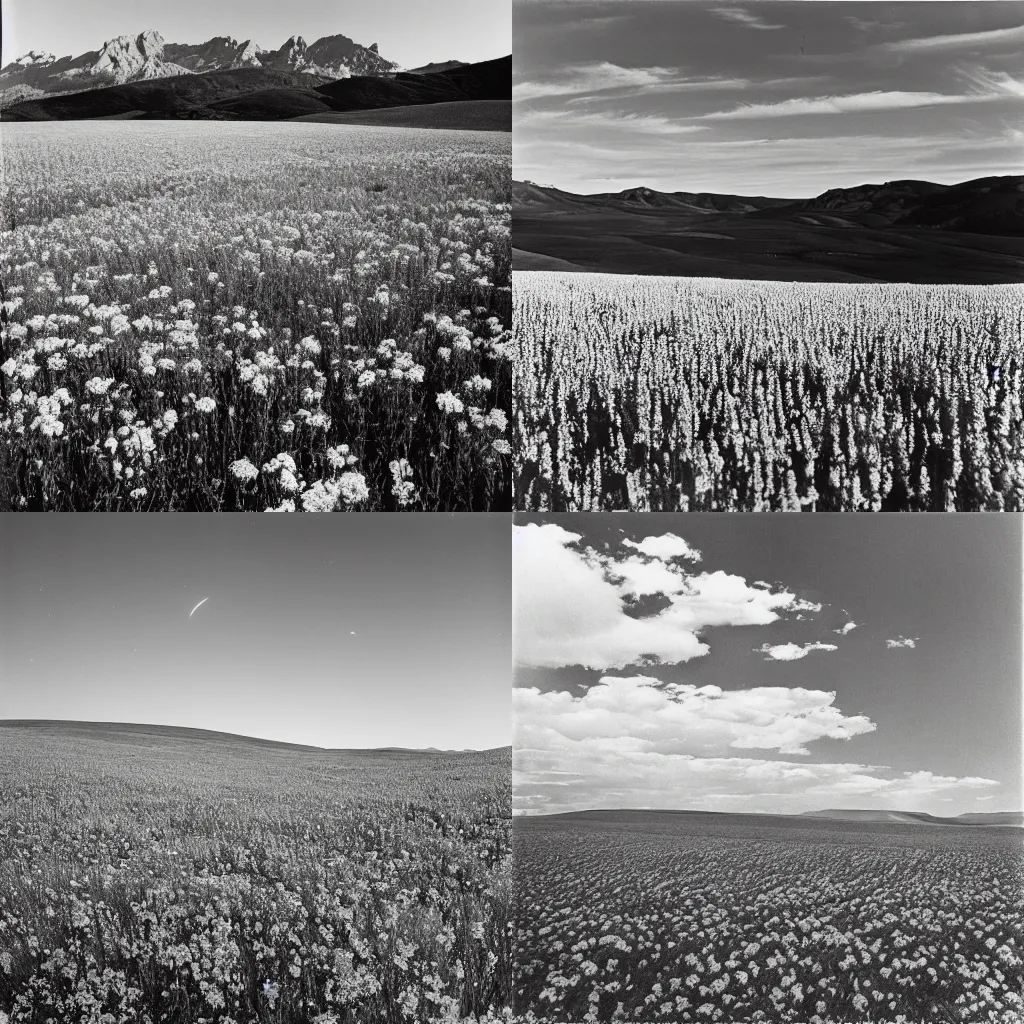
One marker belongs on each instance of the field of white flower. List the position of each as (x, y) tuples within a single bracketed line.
[(660, 393), (151, 878), (699, 918), (238, 316)]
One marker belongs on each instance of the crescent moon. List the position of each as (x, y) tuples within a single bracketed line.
[(204, 600)]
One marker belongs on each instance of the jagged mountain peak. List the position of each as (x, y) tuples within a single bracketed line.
[(130, 59), (150, 40), (146, 55)]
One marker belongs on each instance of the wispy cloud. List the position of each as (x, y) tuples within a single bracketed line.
[(698, 84), (601, 21), (843, 630), (853, 103), (599, 76), (572, 120), (993, 83), (961, 40), (870, 24), (742, 16)]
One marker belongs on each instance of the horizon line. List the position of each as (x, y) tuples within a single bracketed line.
[(765, 814), (23, 722), (744, 195)]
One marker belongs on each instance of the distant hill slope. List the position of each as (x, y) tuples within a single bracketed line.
[(169, 97), (138, 732), (992, 206), (488, 80), (161, 735), (675, 825), (465, 115), (429, 69), (908, 231), (533, 261), (259, 93), (919, 817)]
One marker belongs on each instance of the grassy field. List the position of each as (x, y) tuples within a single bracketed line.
[(685, 394), (243, 317), (647, 916), (166, 876)]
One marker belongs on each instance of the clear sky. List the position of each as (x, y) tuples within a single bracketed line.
[(859, 660), (772, 97), (335, 630), (410, 32)]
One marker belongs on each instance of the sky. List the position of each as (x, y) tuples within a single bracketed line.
[(338, 631), (409, 32), (768, 663), (783, 98)]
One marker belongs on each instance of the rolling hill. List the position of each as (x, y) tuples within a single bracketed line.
[(168, 97), (1003, 818), (909, 231), (442, 65), (260, 93), (465, 115), (181, 737)]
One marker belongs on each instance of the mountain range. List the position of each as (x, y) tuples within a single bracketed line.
[(147, 56), (470, 96), (912, 231)]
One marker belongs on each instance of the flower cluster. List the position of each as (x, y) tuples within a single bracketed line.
[(156, 340), (703, 918), (172, 889), (657, 393)]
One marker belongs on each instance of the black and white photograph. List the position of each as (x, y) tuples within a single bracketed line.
[(768, 768), (253, 772), (255, 256), (768, 256)]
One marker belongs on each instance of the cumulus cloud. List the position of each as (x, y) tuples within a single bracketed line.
[(644, 715), (666, 547), (792, 652), (572, 602), (843, 630), (610, 778), (903, 641), (635, 741)]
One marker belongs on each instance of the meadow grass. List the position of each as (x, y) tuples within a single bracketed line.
[(173, 877)]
